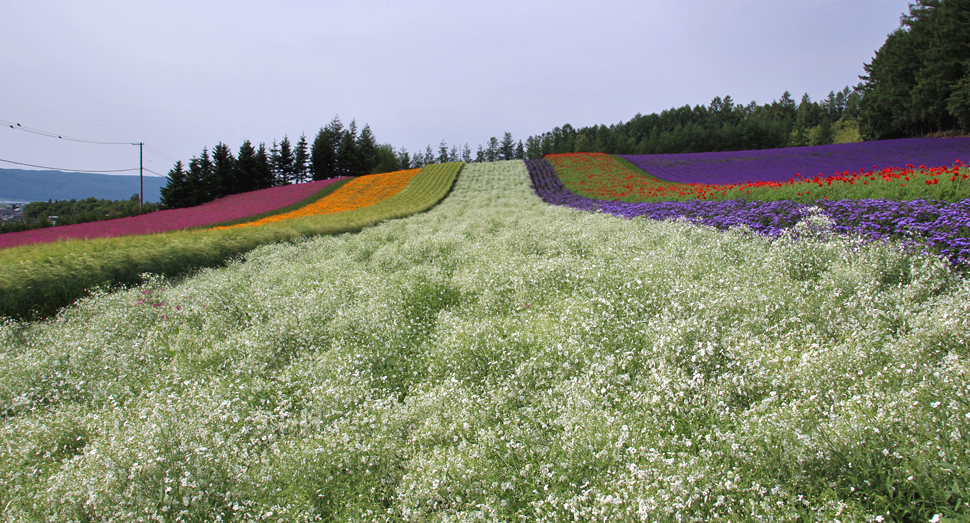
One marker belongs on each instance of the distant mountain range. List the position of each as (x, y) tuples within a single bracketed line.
[(37, 186)]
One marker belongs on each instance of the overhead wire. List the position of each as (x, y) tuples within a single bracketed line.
[(159, 153), (69, 170), (18, 127)]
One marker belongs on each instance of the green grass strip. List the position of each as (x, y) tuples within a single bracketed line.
[(36, 281)]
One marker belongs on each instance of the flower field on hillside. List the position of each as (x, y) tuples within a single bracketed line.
[(935, 227), (226, 209), (355, 194), (606, 177), (37, 280), (780, 165), (500, 359)]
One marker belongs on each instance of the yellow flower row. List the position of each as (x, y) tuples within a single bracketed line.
[(355, 194)]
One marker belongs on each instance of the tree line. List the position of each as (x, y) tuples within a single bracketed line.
[(918, 83), (336, 151), (721, 126), (38, 215), (339, 151)]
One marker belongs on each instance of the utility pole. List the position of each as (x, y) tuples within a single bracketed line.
[(141, 174)]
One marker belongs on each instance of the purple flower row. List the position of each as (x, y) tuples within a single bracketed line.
[(780, 165), (945, 227), (233, 207)]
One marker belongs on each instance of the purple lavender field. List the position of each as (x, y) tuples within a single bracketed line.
[(780, 165), (944, 227)]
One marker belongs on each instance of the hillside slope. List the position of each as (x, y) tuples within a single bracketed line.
[(37, 280), (499, 358), (37, 186)]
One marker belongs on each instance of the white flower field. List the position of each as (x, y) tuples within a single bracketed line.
[(500, 359)]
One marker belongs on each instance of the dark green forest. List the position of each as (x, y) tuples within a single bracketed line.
[(917, 84), (65, 212)]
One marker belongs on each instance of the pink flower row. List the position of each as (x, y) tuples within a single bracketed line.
[(233, 207)]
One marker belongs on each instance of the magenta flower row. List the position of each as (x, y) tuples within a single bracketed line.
[(233, 207)]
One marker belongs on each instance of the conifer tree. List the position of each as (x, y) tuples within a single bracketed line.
[(246, 176), (442, 152), (223, 171), (173, 195), (301, 160), (492, 152), (417, 161), (386, 160), (404, 159), (348, 157), (264, 168), (917, 80), (507, 147), (367, 151), (284, 163), (199, 179), (324, 152)]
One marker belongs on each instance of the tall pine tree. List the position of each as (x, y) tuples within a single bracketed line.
[(199, 179), (173, 195), (323, 153), (366, 151), (223, 170), (916, 81), (246, 174), (264, 168), (284, 162), (301, 159), (348, 157)]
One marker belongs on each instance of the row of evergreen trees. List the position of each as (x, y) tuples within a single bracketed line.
[(335, 152), (721, 126), (918, 83)]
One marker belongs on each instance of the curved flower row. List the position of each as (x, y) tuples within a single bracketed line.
[(945, 227), (355, 194), (604, 177), (779, 165), (234, 207)]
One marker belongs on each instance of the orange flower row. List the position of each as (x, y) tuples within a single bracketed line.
[(355, 194)]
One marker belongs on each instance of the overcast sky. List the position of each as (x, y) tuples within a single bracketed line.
[(182, 75)]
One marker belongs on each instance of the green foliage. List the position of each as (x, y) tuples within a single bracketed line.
[(38, 214), (37, 280), (175, 191), (721, 126), (915, 85)]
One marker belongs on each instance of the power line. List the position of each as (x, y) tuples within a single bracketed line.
[(69, 170), (160, 154), (18, 127)]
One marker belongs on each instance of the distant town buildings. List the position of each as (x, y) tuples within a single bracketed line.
[(11, 212)]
